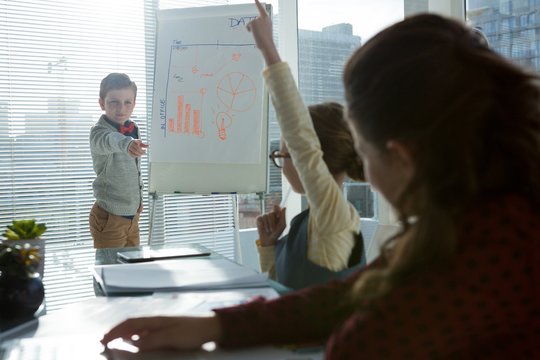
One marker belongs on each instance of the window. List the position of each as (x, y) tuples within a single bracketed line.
[(517, 38), (53, 55), (250, 205), (328, 32)]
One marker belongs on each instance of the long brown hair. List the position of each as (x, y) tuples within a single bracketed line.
[(336, 140), (470, 118)]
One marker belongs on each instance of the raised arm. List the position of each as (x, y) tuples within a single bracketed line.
[(261, 28), (329, 209)]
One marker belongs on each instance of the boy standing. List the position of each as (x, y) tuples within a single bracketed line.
[(116, 150)]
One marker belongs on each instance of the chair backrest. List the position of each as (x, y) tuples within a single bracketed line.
[(368, 227), (382, 232), (248, 254)]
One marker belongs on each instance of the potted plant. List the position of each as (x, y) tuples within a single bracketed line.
[(21, 288), (27, 231)]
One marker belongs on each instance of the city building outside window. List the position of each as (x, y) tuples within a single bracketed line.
[(511, 27)]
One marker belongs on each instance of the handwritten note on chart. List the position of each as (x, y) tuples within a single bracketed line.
[(208, 96)]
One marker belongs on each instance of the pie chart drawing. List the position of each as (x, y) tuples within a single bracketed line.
[(236, 91)]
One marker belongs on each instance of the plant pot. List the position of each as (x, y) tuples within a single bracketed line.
[(32, 242), (20, 296)]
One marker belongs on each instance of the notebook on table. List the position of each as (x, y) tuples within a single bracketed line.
[(176, 275)]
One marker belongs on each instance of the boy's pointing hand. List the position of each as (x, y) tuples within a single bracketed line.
[(137, 148)]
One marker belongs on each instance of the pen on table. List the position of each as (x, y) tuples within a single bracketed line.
[(284, 198)]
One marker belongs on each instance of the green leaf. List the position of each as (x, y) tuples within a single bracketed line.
[(24, 230), (11, 235)]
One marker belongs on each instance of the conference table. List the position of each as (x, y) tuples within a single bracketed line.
[(90, 315), (68, 277)]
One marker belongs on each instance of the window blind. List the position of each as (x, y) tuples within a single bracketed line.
[(53, 55)]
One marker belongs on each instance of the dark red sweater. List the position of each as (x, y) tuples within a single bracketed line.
[(487, 305)]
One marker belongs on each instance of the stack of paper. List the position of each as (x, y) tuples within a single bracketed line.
[(176, 275)]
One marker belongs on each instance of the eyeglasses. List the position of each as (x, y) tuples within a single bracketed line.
[(278, 158)]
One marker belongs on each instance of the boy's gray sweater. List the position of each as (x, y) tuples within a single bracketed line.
[(118, 185)]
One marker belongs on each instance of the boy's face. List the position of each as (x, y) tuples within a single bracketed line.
[(118, 104)]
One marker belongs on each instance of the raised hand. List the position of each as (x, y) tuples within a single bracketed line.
[(261, 28), (271, 225)]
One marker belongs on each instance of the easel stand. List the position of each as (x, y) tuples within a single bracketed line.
[(236, 219), (236, 222), (154, 197)]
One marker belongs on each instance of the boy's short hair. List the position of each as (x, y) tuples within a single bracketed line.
[(116, 81)]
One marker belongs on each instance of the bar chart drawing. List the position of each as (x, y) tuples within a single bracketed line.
[(188, 118)]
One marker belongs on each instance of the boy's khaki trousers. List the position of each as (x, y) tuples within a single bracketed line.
[(112, 231)]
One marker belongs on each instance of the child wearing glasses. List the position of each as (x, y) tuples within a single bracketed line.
[(316, 156)]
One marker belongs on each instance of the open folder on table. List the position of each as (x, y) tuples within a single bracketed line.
[(176, 275)]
